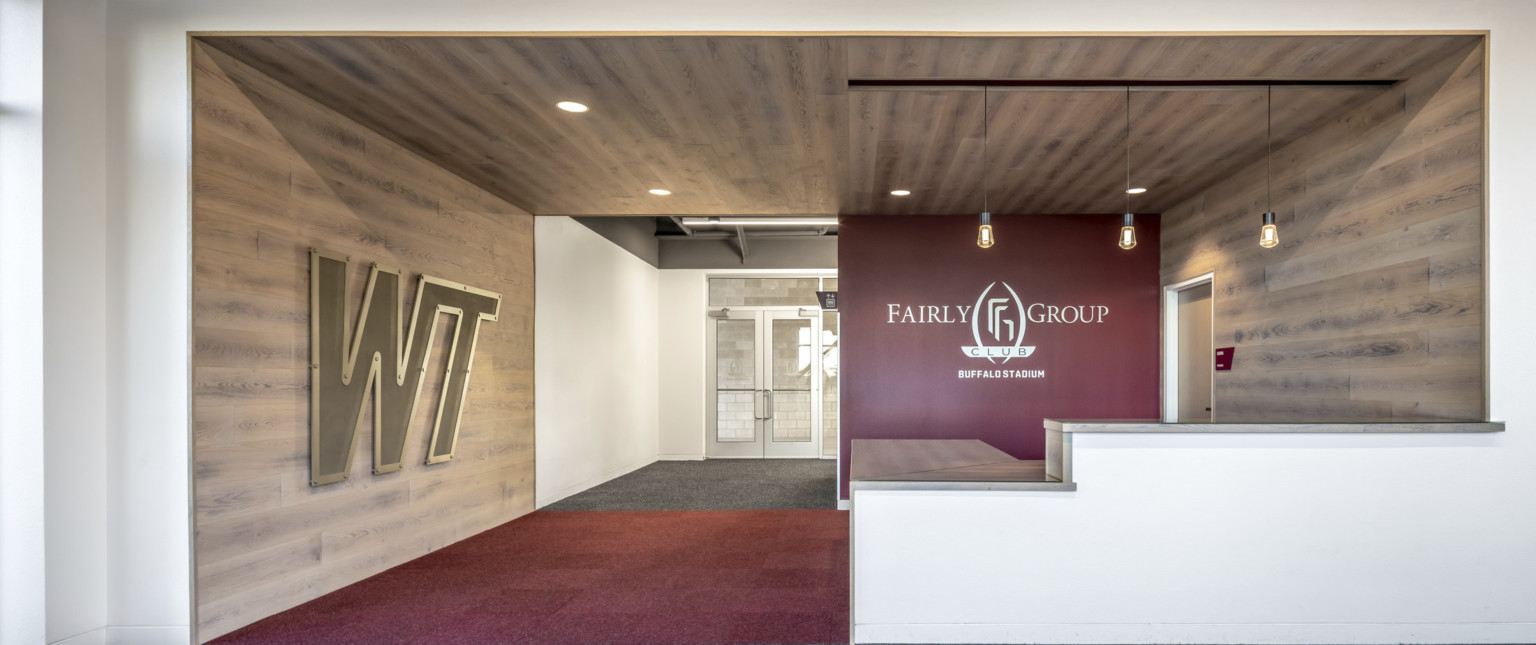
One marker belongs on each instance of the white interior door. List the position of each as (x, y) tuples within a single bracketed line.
[(764, 396), (1195, 354)]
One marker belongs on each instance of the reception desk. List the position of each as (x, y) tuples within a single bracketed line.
[(1136, 531)]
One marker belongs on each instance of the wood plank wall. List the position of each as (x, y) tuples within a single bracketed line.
[(1372, 306), (275, 173)]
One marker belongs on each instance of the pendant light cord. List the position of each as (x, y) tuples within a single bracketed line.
[(1269, 148), (1128, 149), (984, 208)]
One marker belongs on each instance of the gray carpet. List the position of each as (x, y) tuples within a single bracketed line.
[(714, 485)]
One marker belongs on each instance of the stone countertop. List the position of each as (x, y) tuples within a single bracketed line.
[(1156, 426), (1058, 432)]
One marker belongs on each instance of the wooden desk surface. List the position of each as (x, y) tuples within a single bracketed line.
[(938, 460)]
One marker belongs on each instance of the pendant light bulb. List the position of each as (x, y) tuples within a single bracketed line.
[(984, 237), (1128, 232), (1269, 236)]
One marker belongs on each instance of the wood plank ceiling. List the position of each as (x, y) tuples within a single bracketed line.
[(1064, 151), (768, 125)]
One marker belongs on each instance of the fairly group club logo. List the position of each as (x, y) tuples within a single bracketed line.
[(1004, 326)]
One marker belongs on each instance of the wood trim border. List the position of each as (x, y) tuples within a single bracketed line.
[(939, 34), (1487, 221)]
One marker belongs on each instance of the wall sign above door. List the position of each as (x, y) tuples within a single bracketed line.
[(349, 367)]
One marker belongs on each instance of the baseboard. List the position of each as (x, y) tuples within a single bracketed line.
[(541, 502), (148, 635), (843, 505), (679, 457), (1253, 634), (96, 636)]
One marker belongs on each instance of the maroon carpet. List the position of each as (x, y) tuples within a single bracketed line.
[(599, 577)]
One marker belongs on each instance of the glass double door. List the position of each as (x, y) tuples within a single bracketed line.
[(763, 370)]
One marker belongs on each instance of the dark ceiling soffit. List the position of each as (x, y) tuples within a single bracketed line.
[(978, 83), (740, 233)]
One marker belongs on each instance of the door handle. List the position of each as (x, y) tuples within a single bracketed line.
[(757, 404), (767, 404)]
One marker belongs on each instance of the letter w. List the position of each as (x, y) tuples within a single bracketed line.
[(391, 374)]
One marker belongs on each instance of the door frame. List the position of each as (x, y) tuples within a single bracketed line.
[(707, 410), (1170, 358), (764, 379)]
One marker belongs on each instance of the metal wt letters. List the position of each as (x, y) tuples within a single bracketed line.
[(391, 374)]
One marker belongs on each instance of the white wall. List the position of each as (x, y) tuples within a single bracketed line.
[(75, 346), (146, 259), (595, 375), (1217, 539), (147, 282), (21, 323), (682, 297)]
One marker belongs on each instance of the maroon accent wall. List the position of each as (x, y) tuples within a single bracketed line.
[(902, 380)]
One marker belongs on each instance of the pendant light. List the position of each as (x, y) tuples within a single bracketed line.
[(984, 237), (1269, 236), (1128, 226)]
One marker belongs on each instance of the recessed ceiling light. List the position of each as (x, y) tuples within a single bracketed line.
[(1135, 191), (660, 191), (901, 192), (571, 106)]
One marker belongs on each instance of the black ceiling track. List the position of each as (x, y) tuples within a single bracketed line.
[(979, 83)]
